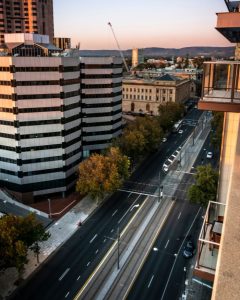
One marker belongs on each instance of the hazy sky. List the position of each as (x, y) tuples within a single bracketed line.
[(139, 23)]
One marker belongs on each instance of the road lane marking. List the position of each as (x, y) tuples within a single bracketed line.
[(63, 274), (114, 212), (176, 256), (67, 295), (130, 194), (79, 277), (88, 263), (166, 244), (96, 251), (112, 230), (93, 239), (104, 240), (146, 255), (106, 255), (129, 208), (150, 281), (179, 215)]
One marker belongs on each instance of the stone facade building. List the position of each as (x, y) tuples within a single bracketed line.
[(145, 95)]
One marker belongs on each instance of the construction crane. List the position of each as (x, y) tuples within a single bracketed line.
[(120, 51)]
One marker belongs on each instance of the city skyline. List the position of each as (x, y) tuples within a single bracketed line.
[(139, 24)]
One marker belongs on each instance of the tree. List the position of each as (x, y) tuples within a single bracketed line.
[(17, 236), (132, 143), (205, 188), (101, 174), (169, 113)]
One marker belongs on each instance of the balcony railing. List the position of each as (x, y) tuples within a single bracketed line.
[(221, 86), (209, 241)]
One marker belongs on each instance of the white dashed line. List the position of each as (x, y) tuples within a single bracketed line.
[(88, 263), (112, 230), (63, 274), (114, 212), (104, 240), (78, 277), (150, 281), (179, 215), (67, 295), (96, 251), (93, 238), (166, 244)]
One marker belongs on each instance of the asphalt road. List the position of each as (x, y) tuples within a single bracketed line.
[(68, 269), (162, 275)]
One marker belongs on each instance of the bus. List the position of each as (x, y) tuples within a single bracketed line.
[(177, 126)]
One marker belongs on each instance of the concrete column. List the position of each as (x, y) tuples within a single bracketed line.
[(237, 52)]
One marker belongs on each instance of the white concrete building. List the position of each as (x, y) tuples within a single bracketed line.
[(51, 109)]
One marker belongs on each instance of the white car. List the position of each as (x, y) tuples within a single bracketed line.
[(180, 131), (164, 140), (209, 155)]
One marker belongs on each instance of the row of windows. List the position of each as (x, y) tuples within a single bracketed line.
[(110, 95), (104, 114), (96, 105), (142, 97), (101, 86), (146, 90), (104, 132), (40, 122), (16, 110), (100, 66), (107, 123), (99, 76)]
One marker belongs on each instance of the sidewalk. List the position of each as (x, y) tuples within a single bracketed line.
[(60, 232)]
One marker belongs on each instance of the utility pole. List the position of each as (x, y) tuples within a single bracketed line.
[(118, 249), (160, 190), (49, 208)]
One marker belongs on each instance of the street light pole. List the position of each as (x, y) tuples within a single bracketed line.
[(160, 190), (49, 208), (118, 246)]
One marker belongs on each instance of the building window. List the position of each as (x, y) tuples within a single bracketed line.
[(146, 97), (142, 90), (148, 107), (127, 96), (138, 97), (134, 97), (157, 90), (146, 90), (150, 91), (164, 91), (171, 91), (132, 106), (138, 90), (157, 98), (130, 96), (150, 98), (142, 97), (164, 99), (130, 89)]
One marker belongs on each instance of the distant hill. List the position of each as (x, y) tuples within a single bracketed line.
[(158, 52)]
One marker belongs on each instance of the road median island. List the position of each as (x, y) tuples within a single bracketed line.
[(109, 263), (125, 279)]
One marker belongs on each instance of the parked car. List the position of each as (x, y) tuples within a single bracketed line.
[(189, 249), (209, 154), (164, 140), (180, 131)]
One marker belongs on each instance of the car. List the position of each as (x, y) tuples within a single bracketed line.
[(209, 155), (189, 249), (165, 169), (180, 131), (164, 140)]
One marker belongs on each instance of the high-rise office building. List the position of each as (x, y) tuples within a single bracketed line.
[(137, 57), (54, 110), (27, 16), (219, 243)]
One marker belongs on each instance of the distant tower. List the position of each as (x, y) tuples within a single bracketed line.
[(137, 57)]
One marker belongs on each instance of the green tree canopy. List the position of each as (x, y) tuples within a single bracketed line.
[(101, 174), (169, 113), (205, 187), (17, 236)]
